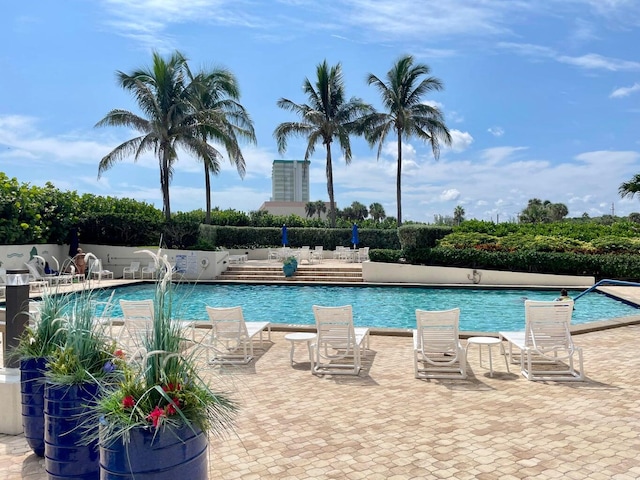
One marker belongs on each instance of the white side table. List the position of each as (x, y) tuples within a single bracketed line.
[(300, 337), (489, 342)]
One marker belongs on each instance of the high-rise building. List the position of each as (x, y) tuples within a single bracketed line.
[(289, 189), (290, 181)]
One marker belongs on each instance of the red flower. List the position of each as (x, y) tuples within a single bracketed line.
[(155, 416), (128, 402), (171, 408), (170, 387), (118, 353)]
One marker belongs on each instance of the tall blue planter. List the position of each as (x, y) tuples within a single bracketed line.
[(32, 399), (67, 454), (174, 454)]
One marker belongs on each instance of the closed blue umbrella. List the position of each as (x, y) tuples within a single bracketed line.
[(354, 236), (285, 240)]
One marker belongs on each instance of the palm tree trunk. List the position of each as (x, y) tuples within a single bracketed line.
[(399, 179), (332, 205), (164, 184), (207, 188)]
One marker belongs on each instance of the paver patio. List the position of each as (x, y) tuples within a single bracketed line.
[(384, 424)]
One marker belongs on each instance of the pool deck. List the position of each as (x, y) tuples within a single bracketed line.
[(385, 424)]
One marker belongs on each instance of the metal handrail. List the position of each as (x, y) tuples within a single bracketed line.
[(609, 281)]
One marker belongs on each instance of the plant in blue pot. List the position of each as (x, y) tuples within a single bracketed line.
[(41, 339), (77, 373), (156, 423), (289, 266)]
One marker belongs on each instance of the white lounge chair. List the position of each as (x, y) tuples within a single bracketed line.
[(137, 317), (231, 338), (546, 348), (96, 271), (150, 270), (318, 253), (36, 281), (437, 351), (131, 270), (339, 345)]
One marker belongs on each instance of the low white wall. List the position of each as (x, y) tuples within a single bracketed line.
[(199, 264), (396, 273)]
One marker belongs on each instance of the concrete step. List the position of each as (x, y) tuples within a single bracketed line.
[(305, 273)]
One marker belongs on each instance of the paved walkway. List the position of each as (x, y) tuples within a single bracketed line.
[(385, 424)]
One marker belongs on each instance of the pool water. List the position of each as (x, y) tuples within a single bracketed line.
[(484, 310)]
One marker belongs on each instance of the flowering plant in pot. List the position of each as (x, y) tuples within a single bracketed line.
[(156, 422), (76, 374)]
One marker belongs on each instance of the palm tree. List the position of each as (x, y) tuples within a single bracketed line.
[(458, 215), (327, 117), (402, 96), (310, 209), (321, 207), (223, 119), (630, 188), (164, 92), (376, 211)]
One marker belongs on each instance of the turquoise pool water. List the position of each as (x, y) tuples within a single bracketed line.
[(390, 307)]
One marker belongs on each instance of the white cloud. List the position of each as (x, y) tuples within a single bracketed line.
[(460, 141), (451, 194), (499, 154), (590, 61), (625, 91), (496, 131)]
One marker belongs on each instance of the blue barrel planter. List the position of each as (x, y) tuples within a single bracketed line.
[(172, 454), (32, 400), (68, 456)]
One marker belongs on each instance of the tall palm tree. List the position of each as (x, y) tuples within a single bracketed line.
[(327, 117), (458, 215), (630, 188), (164, 94), (222, 119), (402, 96), (376, 211)]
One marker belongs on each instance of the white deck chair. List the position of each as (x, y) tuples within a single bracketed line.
[(231, 338), (437, 351), (96, 271), (339, 345), (36, 281), (304, 253), (150, 270), (318, 253), (131, 270), (137, 317), (548, 351)]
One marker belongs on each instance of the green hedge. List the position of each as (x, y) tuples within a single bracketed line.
[(329, 238), (621, 267)]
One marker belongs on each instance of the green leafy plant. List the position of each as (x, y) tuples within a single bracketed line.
[(87, 353), (290, 261), (164, 390)]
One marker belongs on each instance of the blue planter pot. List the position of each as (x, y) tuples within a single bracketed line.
[(32, 399), (173, 454), (67, 454)]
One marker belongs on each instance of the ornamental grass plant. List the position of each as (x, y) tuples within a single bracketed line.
[(164, 392), (46, 331), (87, 353)]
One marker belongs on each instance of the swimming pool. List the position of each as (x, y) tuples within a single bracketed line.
[(486, 310)]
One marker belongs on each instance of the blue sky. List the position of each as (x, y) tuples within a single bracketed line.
[(542, 97)]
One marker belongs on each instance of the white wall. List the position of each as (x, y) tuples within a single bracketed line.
[(204, 265)]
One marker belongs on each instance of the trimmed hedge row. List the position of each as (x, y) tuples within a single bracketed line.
[(329, 238), (620, 267)]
